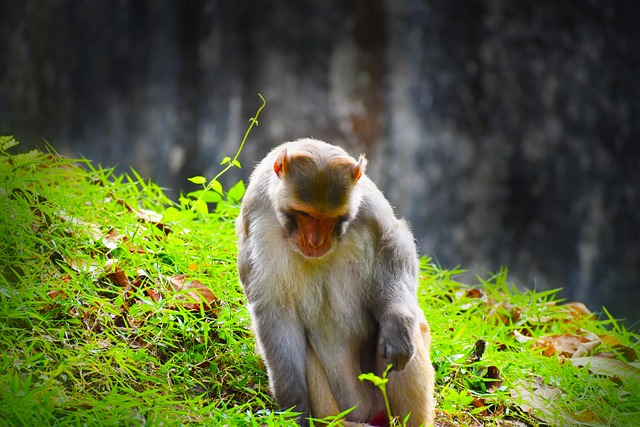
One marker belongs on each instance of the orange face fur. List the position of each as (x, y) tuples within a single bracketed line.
[(318, 196)]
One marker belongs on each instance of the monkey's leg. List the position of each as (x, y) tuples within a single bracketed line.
[(323, 403), (410, 391), (333, 370)]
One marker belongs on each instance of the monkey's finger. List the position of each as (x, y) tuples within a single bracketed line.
[(399, 362)]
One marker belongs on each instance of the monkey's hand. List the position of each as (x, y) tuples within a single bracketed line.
[(396, 341)]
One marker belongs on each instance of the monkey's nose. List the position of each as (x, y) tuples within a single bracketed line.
[(316, 240)]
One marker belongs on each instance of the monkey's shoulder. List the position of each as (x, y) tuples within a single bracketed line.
[(377, 214)]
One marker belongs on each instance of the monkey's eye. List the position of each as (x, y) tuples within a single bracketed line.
[(290, 221), (291, 214)]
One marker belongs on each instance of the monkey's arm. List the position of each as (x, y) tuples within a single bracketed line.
[(283, 346), (280, 339), (394, 304)]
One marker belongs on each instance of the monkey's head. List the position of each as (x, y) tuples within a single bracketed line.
[(314, 199)]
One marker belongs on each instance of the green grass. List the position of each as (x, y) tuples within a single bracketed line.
[(99, 327)]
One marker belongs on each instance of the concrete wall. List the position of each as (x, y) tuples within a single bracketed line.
[(507, 132)]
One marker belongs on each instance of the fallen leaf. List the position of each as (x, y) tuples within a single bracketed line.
[(614, 343), (60, 293), (568, 345), (475, 293), (481, 405), (112, 239), (82, 265), (478, 351), (493, 380), (143, 280), (543, 401), (57, 293), (589, 417), (82, 228), (192, 293), (504, 312), (520, 337), (146, 215), (153, 294), (204, 364), (608, 367), (578, 310), (116, 274)]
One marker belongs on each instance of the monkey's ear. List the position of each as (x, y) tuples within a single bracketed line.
[(281, 164), (358, 168)]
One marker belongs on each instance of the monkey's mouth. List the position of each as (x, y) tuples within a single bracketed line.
[(314, 252), (314, 241)]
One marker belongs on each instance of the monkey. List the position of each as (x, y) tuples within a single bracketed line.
[(330, 275)]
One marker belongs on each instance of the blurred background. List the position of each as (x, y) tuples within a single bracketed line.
[(507, 132)]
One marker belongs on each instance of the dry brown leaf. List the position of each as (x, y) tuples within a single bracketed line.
[(112, 239), (475, 293), (60, 292), (144, 280), (82, 265), (146, 215), (57, 293), (493, 379), (478, 350), (83, 228), (520, 337), (547, 404), (116, 274), (608, 367), (504, 312), (578, 310), (568, 345), (192, 293), (153, 294), (480, 403), (588, 417), (543, 401), (614, 343)]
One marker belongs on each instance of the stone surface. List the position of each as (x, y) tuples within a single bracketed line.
[(508, 133)]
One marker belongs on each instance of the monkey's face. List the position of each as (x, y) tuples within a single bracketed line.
[(313, 232), (314, 197)]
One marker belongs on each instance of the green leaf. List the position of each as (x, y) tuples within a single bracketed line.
[(376, 380), (207, 196), (225, 160), (236, 192), (201, 206), (237, 164), (215, 186), (171, 214), (7, 142), (227, 208), (200, 180), (185, 202)]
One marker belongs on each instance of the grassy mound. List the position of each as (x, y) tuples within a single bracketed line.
[(119, 306)]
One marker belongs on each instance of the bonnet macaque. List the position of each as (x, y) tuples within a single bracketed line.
[(330, 275)]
